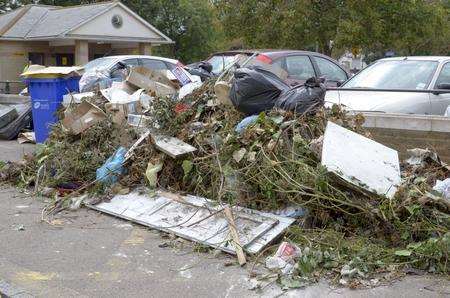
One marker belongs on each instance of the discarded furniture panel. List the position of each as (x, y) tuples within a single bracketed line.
[(197, 219), (362, 162), (172, 146)]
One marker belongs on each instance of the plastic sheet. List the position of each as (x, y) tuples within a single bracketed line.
[(113, 167)]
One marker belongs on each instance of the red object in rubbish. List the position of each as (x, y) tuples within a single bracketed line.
[(181, 108), (287, 251)]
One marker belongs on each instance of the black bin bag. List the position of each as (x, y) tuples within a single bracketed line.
[(306, 98), (254, 89)]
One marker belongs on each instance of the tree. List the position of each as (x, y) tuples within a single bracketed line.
[(407, 27)]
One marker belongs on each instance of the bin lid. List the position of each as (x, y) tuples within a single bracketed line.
[(51, 72)]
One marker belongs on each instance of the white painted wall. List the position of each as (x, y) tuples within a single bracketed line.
[(102, 26)]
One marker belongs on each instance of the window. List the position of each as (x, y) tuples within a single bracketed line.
[(330, 71), (131, 62), (36, 58), (444, 76), (299, 67), (395, 74), (154, 64), (219, 63)]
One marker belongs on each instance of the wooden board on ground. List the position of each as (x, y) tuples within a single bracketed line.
[(198, 219), (172, 146)]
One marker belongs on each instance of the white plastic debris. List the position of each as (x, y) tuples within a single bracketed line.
[(418, 156), (75, 97), (443, 187), (93, 79), (284, 258), (188, 89), (292, 211)]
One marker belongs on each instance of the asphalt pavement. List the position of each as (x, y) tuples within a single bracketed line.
[(84, 253)]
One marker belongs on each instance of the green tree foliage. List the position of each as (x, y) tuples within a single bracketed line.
[(407, 27)]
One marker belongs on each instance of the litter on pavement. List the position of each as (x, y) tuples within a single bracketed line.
[(249, 143)]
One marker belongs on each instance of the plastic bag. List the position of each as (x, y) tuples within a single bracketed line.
[(109, 172), (284, 258), (91, 80), (443, 187), (246, 122), (254, 89), (203, 70), (304, 98)]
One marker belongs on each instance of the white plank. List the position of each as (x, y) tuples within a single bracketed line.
[(360, 161)]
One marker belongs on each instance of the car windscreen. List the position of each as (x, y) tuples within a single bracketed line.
[(220, 62), (395, 74), (100, 63)]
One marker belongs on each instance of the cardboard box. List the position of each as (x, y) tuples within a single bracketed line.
[(151, 81), (120, 111), (82, 117)]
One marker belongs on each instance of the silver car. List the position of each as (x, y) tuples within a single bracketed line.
[(410, 85)]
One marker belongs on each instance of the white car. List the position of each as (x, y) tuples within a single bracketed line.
[(410, 85), (112, 63)]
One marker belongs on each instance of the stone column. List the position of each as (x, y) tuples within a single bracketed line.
[(81, 52), (145, 48)]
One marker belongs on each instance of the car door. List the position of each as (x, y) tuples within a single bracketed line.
[(440, 101), (333, 74), (299, 68)]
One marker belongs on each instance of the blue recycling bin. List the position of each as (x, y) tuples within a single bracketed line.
[(46, 97)]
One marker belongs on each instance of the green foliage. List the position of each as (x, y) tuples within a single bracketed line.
[(407, 27)]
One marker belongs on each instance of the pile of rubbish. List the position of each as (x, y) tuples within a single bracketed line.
[(360, 215)]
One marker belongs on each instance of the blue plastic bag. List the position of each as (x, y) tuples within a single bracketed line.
[(109, 172), (246, 122)]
